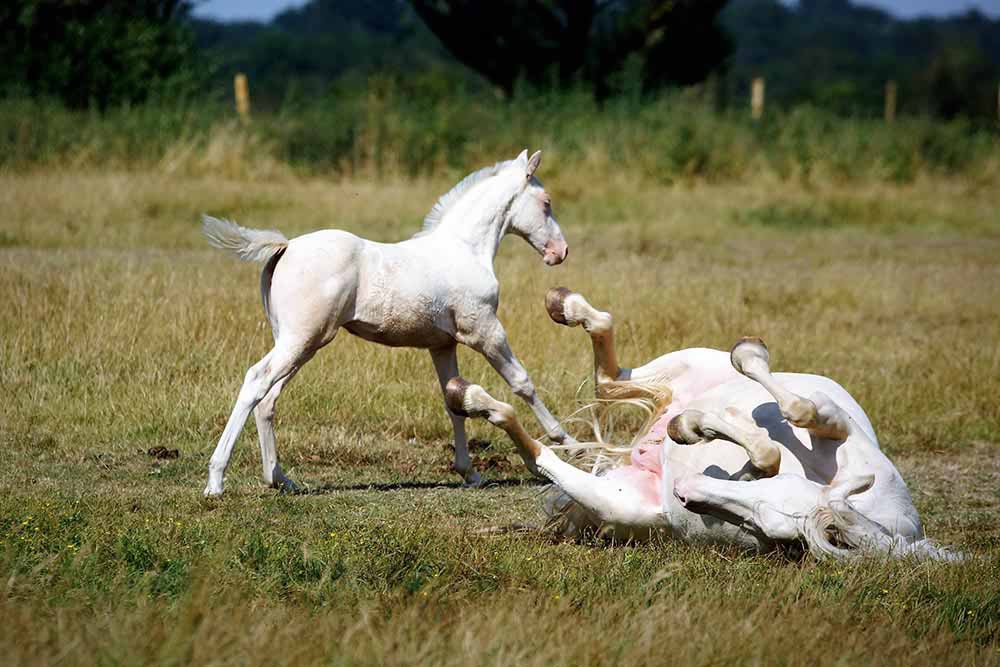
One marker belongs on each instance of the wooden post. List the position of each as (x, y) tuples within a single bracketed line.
[(757, 98), (242, 90), (890, 101)]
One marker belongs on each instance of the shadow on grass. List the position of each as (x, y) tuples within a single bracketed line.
[(322, 489)]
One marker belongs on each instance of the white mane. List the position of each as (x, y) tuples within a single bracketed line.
[(450, 198)]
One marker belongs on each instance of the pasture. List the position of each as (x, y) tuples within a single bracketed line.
[(122, 331)]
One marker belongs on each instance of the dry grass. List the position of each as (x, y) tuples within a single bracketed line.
[(122, 331)]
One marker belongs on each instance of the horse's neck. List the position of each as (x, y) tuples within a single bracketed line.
[(478, 220)]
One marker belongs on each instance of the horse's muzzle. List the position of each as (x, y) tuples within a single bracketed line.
[(555, 252)]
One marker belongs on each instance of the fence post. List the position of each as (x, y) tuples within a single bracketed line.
[(890, 101), (757, 98), (242, 90)]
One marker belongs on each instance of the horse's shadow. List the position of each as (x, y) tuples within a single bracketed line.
[(328, 488), (819, 463)]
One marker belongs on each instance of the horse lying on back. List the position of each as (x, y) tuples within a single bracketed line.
[(733, 454)]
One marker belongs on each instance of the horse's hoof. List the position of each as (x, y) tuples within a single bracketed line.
[(682, 431), (212, 491), (454, 395), (747, 349), (555, 299), (473, 480), (285, 485)]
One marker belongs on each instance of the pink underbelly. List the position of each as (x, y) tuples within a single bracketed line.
[(647, 454), (645, 483)]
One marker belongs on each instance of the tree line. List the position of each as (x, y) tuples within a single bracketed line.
[(830, 53)]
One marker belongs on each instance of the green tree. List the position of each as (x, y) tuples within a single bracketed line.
[(570, 41), (961, 80), (96, 52)]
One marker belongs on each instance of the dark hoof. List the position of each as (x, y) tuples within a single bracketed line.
[(554, 300), (680, 431), (454, 395)]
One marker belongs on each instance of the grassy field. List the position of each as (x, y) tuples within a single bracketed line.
[(122, 331)]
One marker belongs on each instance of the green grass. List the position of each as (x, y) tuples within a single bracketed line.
[(122, 331)]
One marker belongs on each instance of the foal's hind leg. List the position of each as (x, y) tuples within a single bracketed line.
[(818, 414), (264, 415), (276, 366), (446, 364)]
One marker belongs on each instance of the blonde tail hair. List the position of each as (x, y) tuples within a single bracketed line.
[(250, 245)]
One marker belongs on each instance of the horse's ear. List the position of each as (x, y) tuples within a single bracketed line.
[(522, 159), (533, 163)]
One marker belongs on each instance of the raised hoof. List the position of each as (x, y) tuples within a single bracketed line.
[(681, 430), (454, 395), (800, 412), (555, 299), (746, 349)]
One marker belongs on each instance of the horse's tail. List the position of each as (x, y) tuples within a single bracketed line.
[(250, 245)]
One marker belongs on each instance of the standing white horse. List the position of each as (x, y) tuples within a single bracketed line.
[(732, 454), (432, 291)]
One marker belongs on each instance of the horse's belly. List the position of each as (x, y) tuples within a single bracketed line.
[(399, 336)]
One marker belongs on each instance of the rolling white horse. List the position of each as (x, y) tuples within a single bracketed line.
[(732, 454), (433, 291)]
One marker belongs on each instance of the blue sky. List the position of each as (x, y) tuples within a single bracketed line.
[(265, 9)]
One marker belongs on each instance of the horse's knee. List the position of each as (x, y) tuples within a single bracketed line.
[(600, 323), (502, 414), (766, 457)]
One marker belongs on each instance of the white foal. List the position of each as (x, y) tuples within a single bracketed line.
[(433, 291), (733, 454)]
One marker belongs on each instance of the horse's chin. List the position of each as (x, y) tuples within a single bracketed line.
[(552, 259)]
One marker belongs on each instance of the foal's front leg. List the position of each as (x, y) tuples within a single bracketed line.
[(446, 364), (492, 344)]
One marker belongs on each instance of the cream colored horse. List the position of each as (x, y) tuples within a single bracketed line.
[(733, 454), (433, 291)]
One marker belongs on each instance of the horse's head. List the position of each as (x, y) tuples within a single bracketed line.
[(768, 507), (530, 215)]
